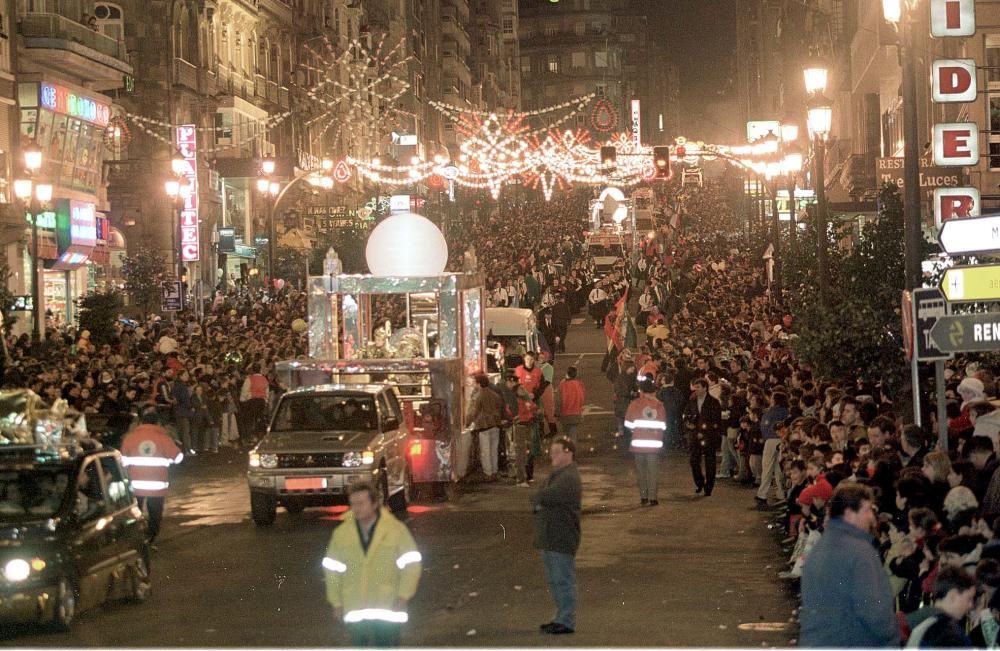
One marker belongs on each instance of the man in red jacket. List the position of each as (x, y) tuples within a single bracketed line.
[(571, 399), (148, 452)]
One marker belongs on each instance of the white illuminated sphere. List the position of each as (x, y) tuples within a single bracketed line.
[(406, 245)]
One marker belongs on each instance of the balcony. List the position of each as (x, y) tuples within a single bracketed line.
[(272, 92), (283, 99), (453, 30), (455, 66), (260, 86), (56, 42), (185, 74)]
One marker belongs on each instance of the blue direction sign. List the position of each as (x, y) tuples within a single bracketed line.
[(967, 333)]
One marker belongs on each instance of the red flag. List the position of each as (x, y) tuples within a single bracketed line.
[(613, 321)]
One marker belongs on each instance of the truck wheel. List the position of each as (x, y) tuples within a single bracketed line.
[(398, 502), (262, 509)]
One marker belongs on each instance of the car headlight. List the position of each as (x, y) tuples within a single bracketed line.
[(17, 569), (268, 461), (254, 460), (367, 458)]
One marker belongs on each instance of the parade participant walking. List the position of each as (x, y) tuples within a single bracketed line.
[(524, 425), (557, 507), (846, 597), (647, 419), (704, 422), (148, 452), (372, 570), (572, 396)]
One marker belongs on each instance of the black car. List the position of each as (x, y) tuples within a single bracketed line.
[(72, 535)]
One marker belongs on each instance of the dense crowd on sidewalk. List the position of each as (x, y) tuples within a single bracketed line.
[(889, 536)]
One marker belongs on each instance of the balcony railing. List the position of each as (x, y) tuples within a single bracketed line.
[(283, 97), (54, 26), (185, 74), (260, 87), (272, 92)]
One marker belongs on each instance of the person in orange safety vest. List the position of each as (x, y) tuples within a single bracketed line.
[(148, 452), (647, 419)]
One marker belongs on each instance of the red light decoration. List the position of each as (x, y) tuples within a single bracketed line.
[(603, 117), (342, 172)]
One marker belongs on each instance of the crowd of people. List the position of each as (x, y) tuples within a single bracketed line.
[(209, 380), (890, 537)]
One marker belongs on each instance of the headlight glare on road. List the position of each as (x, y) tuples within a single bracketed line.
[(17, 569), (254, 460), (351, 460), (268, 461)]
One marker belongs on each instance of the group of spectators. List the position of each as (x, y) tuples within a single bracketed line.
[(891, 537), (210, 381)]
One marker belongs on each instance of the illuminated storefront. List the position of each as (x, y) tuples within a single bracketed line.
[(67, 123)]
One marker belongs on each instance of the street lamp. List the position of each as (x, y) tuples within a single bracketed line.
[(179, 190), (270, 189), (35, 195), (820, 121), (894, 11), (815, 78)]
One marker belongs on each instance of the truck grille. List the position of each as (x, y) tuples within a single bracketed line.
[(324, 460)]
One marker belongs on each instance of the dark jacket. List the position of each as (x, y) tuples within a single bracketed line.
[(182, 397), (708, 422), (846, 598), (944, 632), (557, 511), (980, 481)]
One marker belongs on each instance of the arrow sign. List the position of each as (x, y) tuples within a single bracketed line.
[(972, 283), (967, 333), (979, 235)]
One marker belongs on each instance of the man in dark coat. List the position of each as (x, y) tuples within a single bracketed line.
[(549, 328), (561, 317), (557, 532), (704, 422), (846, 597)]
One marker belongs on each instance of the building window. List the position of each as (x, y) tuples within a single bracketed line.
[(993, 83), (508, 5), (601, 59), (553, 64), (579, 59), (993, 59), (109, 20), (508, 25), (580, 28), (994, 131), (525, 65), (550, 30), (601, 91)]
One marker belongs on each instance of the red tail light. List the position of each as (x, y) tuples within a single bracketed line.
[(416, 448)]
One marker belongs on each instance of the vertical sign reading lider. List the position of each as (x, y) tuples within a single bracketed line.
[(187, 145)]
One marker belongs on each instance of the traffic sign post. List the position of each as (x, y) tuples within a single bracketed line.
[(172, 296), (971, 283), (973, 235), (967, 333), (929, 306)]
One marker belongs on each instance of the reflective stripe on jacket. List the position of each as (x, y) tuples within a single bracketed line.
[(647, 419), (148, 452), (367, 585)]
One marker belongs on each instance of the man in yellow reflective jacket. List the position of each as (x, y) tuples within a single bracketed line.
[(372, 568)]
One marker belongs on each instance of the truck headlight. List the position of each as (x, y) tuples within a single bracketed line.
[(358, 459), (268, 461), (254, 460), (17, 569)]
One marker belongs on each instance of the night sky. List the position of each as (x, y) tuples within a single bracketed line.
[(702, 39)]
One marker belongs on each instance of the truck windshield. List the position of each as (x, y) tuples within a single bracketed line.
[(32, 493), (325, 412)]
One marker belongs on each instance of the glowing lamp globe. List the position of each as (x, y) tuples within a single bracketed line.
[(406, 245)]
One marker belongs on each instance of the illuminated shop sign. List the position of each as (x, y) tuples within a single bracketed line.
[(63, 100), (187, 145)]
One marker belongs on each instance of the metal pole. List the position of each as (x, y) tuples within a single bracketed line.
[(915, 386), (776, 236), (792, 211), (38, 333), (911, 162), (942, 411), (821, 240), (174, 239), (270, 243)]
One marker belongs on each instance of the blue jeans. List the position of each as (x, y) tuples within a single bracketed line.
[(560, 570)]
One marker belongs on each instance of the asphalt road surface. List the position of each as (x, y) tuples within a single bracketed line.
[(693, 571)]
